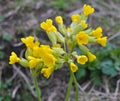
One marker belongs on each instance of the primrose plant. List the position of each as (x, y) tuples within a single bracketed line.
[(45, 59)]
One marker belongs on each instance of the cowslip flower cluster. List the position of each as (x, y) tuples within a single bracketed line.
[(45, 58)]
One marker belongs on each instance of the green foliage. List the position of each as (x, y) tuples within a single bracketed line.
[(106, 64), (4, 86), (1, 55), (6, 37), (108, 68), (96, 77), (62, 4), (5, 92), (1, 18), (81, 72)]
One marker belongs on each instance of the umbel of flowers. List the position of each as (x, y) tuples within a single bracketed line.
[(45, 59)]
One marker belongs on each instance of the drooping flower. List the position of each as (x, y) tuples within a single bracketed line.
[(47, 71), (28, 41), (84, 24), (68, 29), (97, 32), (73, 67), (102, 41), (87, 9), (59, 20), (45, 49), (49, 60), (36, 51), (91, 57), (82, 59), (75, 18), (82, 38), (48, 26), (13, 58), (33, 62)]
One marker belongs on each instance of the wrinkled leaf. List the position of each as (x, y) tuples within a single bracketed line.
[(108, 68), (7, 37), (1, 55), (95, 75), (1, 18), (80, 73)]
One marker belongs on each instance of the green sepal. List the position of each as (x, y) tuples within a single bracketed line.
[(92, 39), (28, 53), (59, 63), (23, 62), (58, 51), (62, 29), (83, 48), (88, 31), (76, 28), (60, 38), (52, 37)]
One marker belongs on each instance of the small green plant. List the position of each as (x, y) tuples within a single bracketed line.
[(4, 38), (4, 85), (45, 59), (107, 63)]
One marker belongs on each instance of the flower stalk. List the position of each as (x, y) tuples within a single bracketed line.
[(36, 86)]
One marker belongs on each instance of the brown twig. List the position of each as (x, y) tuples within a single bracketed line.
[(25, 79)]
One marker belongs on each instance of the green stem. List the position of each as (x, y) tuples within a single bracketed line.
[(76, 87), (69, 88), (36, 86)]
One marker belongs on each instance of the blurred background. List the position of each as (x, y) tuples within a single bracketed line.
[(98, 81)]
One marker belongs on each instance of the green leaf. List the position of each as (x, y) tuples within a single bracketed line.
[(93, 65), (1, 55), (7, 97), (1, 18), (7, 37), (117, 64), (96, 77), (80, 73), (1, 98), (108, 68)]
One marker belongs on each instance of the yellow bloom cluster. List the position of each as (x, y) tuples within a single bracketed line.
[(37, 56), (65, 39)]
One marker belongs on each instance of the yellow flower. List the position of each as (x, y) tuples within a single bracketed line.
[(36, 51), (82, 38), (102, 41), (59, 20), (33, 62), (68, 29), (91, 56), (97, 32), (44, 49), (75, 18), (48, 26), (47, 71), (87, 9), (28, 41), (82, 59), (73, 67), (36, 44), (49, 60), (13, 58), (84, 24)]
